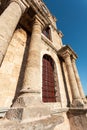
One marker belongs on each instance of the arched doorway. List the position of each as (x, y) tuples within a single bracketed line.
[(48, 82)]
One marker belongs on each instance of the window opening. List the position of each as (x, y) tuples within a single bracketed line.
[(47, 33)]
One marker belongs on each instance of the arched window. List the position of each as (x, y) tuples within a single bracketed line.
[(48, 84)]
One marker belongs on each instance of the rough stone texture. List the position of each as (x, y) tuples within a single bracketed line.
[(47, 123), (78, 119), (65, 125), (21, 72), (10, 69), (13, 60), (75, 119), (8, 24)]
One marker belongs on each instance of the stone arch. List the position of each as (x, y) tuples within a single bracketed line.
[(50, 88)]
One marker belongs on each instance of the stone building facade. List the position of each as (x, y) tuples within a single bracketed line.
[(40, 86)]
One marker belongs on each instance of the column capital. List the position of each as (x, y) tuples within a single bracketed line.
[(66, 51), (38, 21), (66, 54), (73, 58), (22, 3)]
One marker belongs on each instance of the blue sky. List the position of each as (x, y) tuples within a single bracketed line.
[(72, 21)]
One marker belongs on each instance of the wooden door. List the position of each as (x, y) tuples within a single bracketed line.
[(48, 86)]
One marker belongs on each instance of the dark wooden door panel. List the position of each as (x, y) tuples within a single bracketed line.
[(48, 88)]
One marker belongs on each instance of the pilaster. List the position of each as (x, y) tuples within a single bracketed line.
[(78, 79), (66, 53)]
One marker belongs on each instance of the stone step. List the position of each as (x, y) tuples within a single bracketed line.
[(47, 123)]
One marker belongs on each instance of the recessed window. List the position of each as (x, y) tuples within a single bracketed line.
[(47, 32)]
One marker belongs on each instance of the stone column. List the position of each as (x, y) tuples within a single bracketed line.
[(8, 22), (78, 80), (73, 84), (29, 103), (31, 88), (32, 77)]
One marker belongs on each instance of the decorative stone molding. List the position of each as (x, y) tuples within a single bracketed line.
[(40, 21), (66, 49), (42, 5), (42, 12), (3, 112), (60, 34), (48, 42), (66, 52)]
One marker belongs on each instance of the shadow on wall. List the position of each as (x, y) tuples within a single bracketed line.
[(22, 70), (65, 84)]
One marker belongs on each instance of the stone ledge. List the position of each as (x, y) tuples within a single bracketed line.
[(3, 112), (77, 111), (48, 42), (48, 123), (60, 110)]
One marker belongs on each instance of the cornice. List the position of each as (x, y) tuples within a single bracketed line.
[(66, 49), (48, 42), (42, 12)]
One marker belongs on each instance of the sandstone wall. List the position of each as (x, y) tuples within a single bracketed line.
[(57, 41), (10, 71), (10, 68)]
